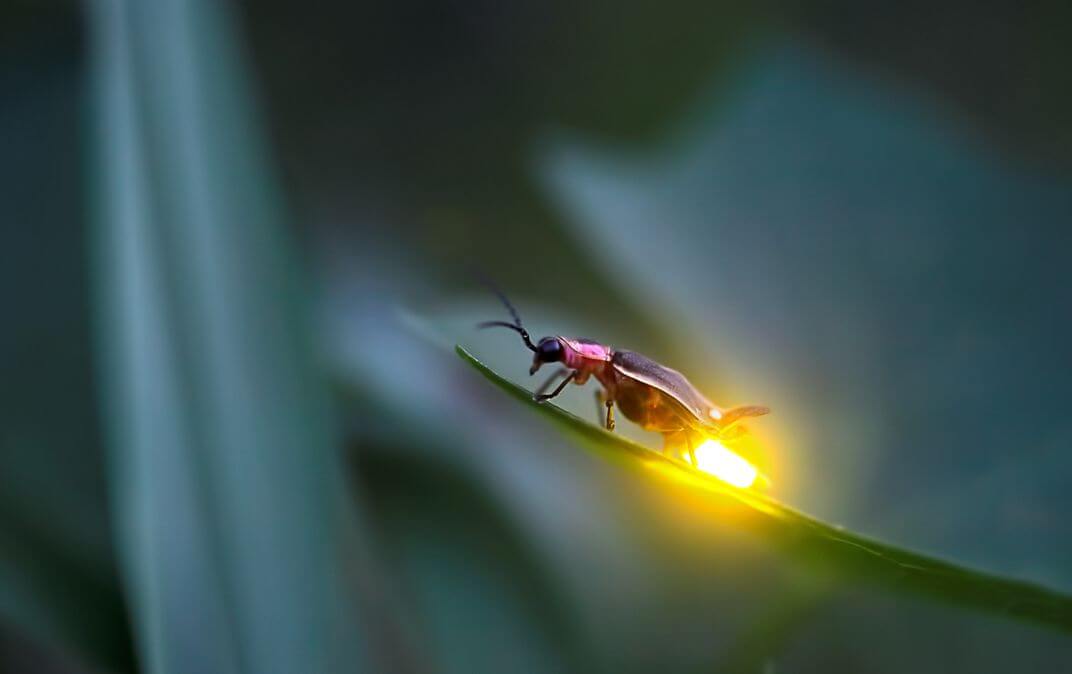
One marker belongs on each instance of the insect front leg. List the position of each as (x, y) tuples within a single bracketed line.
[(550, 380), (540, 397)]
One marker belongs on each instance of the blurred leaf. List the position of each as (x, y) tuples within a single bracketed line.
[(761, 641), (452, 494), (479, 592), (830, 549), (232, 516), (872, 267)]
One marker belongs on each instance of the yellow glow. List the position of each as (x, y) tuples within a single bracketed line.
[(712, 457)]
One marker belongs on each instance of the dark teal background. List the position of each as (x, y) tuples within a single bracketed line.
[(859, 215)]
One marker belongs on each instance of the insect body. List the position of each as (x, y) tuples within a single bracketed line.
[(653, 396)]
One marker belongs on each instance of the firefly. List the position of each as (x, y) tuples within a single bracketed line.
[(655, 397)]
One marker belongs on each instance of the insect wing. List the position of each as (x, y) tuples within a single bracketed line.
[(668, 381), (732, 416)]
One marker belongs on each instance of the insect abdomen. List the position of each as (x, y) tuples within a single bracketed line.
[(647, 407)]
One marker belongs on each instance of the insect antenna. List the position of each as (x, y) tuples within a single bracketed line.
[(515, 326)]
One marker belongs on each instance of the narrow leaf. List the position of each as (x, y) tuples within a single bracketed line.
[(829, 548)]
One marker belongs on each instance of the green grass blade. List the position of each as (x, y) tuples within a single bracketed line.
[(829, 548)]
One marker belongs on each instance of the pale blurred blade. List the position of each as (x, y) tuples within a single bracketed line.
[(225, 464)]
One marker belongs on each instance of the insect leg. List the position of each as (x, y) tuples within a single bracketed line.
[(692, 451), (550, 380), (540, 397), (605, 417)]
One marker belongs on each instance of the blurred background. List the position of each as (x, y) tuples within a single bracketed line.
[(238, 248)]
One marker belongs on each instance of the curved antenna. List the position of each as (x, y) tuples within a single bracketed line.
[(516, 328), (506, 303), (516, 325)]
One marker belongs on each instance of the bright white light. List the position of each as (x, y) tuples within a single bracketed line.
[(712, 457)]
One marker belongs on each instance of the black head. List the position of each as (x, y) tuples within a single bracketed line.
[(548, 350)]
